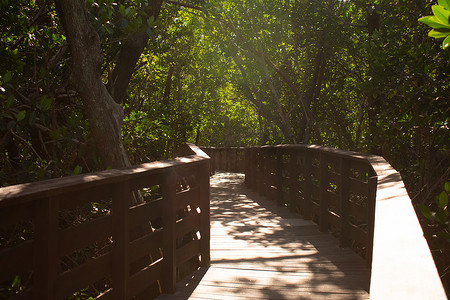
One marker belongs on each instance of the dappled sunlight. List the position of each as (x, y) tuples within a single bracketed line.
[(260, 250)]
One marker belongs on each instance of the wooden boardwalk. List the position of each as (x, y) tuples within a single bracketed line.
[(262, 251)]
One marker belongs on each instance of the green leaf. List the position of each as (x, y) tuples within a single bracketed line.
[(77, 170), (446, 42), (10, 101), (425, 211), (433, 22), (441, 13), (444, 3), (21, 115), (443, 199), (439, 33), (122, 10), (150, 21), (16, 282), (7, 77), (46, 103), (447, 186)]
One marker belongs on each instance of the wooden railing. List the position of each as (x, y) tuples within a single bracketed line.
[(229, 159), (86, 233), (360, 198)]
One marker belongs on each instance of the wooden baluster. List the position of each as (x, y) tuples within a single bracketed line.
[(121, 201), (323, 191), (268, 191), (46, 258), (372, 182), (279, 173), (205, 233), (261, 171), (344, 198), (227, 159), (169, 238), (213, 161), (235, 167), (307, 186), (254, 169), (247, 167), (293, 180)]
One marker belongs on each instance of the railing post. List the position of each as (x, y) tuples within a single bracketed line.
[(293, 179), (344, 198), (279, 174), (213, 161), (169, 238), (253, 168), (228, 159), (372, 182), (307, 185), (261, 173), (121, 200), (323, 191), (247, 167), (205, 234), (236, 160), (219, 159), (268, 163), (46, 252)]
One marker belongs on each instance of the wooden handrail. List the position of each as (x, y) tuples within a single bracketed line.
[(128, 248), (359, 196)]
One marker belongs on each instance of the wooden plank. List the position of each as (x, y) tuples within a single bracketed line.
[(398, 241), (145, 181), (145, 212), (334, 219), (77, 237), (358, 234), (121, 238), (359, 187), (16, 213), (26, 192), (146, 244), (45, 254), (323, 188), (83, 275), (333, 200), (344, 197), (357, 211), (188, 251), (188, 197), (205, 225), (15, 260), (107, 295), (84, 196), (190, 223), (260, 250), (169, 241), (144, 278)]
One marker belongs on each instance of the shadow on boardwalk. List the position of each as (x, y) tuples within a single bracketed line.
[(262, 251)]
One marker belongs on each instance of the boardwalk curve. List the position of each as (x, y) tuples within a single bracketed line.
[(262, 251)]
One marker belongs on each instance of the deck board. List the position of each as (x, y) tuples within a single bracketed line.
[(262, 251)]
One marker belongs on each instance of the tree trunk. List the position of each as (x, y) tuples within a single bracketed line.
[(104, 115)]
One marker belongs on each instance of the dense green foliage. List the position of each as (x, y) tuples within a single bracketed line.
[(358, 75), (440, 22)]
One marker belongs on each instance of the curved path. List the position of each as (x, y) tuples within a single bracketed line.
[(262, 251)]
